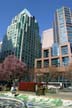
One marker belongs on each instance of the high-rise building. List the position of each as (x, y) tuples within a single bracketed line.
[(0, 47), (47, 38), (22, 38), (62, 25), (0, 50), (59, 54)]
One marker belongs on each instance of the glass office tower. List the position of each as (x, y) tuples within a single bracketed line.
[(0, 50), (62, 25), (22, 38), (0, 46)]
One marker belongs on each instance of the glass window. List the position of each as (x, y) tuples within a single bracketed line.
[(22, 19), (70, 34), (68, 20), (69, 28), (55, 50), (55, 62), (46, 53), (46, 63), (18, 25), (65, 61), (71, 47), (64, 50), (39, 63)]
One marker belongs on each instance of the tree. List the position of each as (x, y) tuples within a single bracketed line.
[(69, 72), (52, 73), (56, 72), (12, 68), (62, 73), (2, 73)]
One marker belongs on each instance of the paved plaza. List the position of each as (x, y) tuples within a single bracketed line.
[(31, 100), (62, 95)]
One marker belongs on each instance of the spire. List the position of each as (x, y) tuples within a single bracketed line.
[(27, 12)]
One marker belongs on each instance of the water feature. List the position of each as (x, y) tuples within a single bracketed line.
[(30, 101)]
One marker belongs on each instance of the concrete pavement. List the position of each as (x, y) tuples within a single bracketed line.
[(62, 95)]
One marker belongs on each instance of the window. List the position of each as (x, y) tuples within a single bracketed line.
[(39, 64), (46, 53), (55, 50), (71, 47), (46, 63), (22, 19), (55, 62), (65, 61), (69, 28), (64, 50), (70, 34)]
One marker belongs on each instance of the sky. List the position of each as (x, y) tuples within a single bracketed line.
[(43, 10)]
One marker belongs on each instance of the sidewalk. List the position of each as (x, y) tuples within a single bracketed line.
[(62, 95)]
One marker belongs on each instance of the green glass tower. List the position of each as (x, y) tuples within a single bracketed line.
[(22, 38)]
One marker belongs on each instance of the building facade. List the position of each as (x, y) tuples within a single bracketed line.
[(48, 59), (62, 25), (22, 38), (59, 60), (47, 38), (0, 47), (0, 50), (59, 54)]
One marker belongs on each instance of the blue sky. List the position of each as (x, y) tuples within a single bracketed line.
[(43, 10)]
